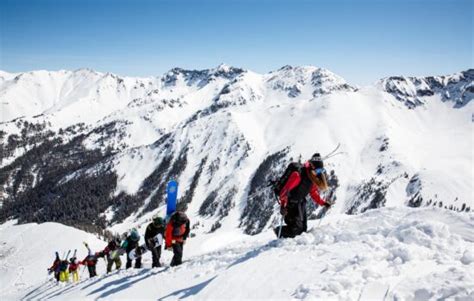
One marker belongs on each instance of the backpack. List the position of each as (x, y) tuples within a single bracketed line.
[(280, 183), (63, 265), (178, 220)]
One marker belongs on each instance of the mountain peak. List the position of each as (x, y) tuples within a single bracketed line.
[(318, 81), (412, 91)]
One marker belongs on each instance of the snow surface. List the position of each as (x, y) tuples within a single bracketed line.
[(383, 254), (26, 251)]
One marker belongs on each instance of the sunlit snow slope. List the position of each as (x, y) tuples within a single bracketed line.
[(389, 253)]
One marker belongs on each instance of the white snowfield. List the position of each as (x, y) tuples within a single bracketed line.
[(383, 254)]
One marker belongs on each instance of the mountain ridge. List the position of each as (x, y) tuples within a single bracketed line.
[(223, 133)]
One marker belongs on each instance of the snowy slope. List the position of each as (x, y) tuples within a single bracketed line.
[(389, 253), (26, 251)]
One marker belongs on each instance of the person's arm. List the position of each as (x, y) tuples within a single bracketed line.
[(168, 235), (293, 181), (89, 252), (315, 195), (148, 237), (147, 233), (186, 232)]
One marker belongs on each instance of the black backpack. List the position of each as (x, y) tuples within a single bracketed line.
[(280, 183), (178, 219)]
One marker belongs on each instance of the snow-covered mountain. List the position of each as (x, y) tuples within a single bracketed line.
[(456, 88), (95, 151), (84, 139)]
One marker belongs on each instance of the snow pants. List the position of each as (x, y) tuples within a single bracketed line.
[(64, 276), (92, 271), (296, 219), (56, 275), (177, 254), (75, 276), (155, 256), (110, 263)]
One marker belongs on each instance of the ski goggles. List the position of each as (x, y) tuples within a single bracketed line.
[(320, 171)]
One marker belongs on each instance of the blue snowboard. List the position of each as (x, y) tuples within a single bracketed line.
[(172, 195)]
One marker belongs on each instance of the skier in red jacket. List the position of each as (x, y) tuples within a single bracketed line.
[(310, 178), (176, 233), (55, 267)]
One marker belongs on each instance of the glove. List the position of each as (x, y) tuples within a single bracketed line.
[(283, 211), (328, 204)]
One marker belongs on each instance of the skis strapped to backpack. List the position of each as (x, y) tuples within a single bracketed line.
[(67, 255)]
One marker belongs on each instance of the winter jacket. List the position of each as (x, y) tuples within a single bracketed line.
[(298, 186), (177, 229), (129, 244), (111, 246), (55, 266), (73, 264), (152, 231), (90, 260)]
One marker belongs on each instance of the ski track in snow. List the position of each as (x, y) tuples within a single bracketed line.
[(383, 254)]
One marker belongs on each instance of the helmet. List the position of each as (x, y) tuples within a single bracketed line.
[(316, 161), (158, 221), (134, 235)]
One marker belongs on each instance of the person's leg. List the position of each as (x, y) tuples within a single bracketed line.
[(110, 262), (118, 263), (291, 220), (178, 254), (129, 262), (90, 269), (156, 254), (94, 272), (299, 214), (138, 261)]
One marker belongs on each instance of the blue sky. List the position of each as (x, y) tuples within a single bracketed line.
[(359, 40)]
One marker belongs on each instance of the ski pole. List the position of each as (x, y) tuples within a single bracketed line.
[(322, 216), (281, 226), (281, 219)]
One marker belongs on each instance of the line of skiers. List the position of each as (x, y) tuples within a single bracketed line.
[(175, 233), (292, 188)]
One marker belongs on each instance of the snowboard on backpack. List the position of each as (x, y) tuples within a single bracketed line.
[(142, 249), (172, 194)]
